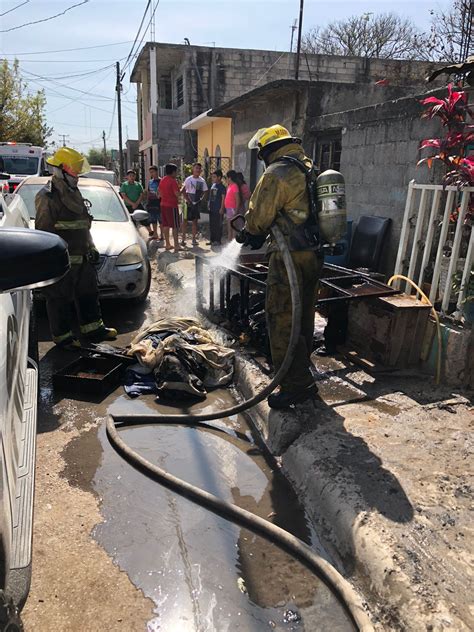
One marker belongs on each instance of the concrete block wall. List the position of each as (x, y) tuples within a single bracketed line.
[(226, 74), (380, 149)]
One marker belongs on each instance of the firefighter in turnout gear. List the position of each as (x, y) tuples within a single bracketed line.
[(61, 209), (281, 196)]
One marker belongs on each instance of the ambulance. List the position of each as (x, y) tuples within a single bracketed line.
[(20, 160)]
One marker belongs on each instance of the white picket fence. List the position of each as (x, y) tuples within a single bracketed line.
[(427, 215)]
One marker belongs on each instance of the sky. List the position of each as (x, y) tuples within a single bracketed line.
[(80, 84)]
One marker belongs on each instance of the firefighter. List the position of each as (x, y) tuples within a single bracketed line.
[(281, 197), (61, 209)]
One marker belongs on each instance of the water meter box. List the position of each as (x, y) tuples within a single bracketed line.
[(389, 330), (89, 375)]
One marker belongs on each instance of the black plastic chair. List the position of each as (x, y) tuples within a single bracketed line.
[(367, 242)]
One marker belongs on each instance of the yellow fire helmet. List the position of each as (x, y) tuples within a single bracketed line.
[(70, 160), (267, 135)]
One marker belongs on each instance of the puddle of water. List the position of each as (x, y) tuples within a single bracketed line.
[(203, 573)]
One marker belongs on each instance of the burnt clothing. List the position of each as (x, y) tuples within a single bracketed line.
[(77, 291), (279, 315), (63, 211)]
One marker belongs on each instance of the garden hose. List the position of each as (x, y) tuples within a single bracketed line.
[(341, 588)]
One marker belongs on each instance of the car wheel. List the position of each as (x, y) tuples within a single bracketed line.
[(144, 295)]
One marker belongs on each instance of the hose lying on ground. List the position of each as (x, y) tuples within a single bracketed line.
[(286, 541)]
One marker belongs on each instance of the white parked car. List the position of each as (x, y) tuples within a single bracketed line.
[(124, 269), (28, 259)]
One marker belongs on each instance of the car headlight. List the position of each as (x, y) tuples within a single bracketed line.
[(130, 256)]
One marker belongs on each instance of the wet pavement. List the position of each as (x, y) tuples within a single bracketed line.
[(196, 572)]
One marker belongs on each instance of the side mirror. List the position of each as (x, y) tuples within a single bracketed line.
[(31, 259), (140, 216)]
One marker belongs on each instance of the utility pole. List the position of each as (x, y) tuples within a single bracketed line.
[(64, 136), (105, 148), (298, 46), (152, 20), (118, 88), (293, 28)]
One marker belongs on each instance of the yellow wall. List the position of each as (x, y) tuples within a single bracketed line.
[(216, 133)]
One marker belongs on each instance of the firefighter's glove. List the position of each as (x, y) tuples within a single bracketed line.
[(93, 256), (255, 242)]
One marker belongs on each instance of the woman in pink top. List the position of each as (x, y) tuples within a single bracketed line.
[(244, 191), (232, 201)]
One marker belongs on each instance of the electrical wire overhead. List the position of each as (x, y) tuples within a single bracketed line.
[(68, 50), (138, 34), (143, 37), (51, 17), (14, 8)]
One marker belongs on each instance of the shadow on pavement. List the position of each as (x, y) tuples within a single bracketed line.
[(347, 463)]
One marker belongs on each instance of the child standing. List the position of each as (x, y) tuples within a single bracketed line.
[(216, 208), (153, 203), (194, 190)]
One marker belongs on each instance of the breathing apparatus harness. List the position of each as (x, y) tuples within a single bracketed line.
[(303, 236)]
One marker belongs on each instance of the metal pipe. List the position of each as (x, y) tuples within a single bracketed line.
[(429, 234), (467, 269), (442, 239), (298, 46), (416, 240), (405, 228), (455, 251)]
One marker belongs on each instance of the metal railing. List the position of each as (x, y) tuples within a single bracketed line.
[(433, 233)]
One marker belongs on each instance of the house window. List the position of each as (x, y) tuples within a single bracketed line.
[(164, 93), (327, 151), (179, 92)]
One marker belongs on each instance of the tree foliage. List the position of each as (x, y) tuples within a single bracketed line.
[(96, 156), (386, 35), (22, 113), (445, 37), (390, 36)]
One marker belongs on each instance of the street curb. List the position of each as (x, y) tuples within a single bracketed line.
[(358, 539)]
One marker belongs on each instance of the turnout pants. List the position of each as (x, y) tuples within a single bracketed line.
[(76, 291), (308, 267)]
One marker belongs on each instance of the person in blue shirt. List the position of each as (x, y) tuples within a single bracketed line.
[(153, 203), (216, 208)]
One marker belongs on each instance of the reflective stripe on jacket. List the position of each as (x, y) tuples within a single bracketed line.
[(61, 210)]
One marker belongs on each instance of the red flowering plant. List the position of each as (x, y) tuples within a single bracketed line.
[(456, 116)]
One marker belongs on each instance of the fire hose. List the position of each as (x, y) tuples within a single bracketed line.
[(301, 551)]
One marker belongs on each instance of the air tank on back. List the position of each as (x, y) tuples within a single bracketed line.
[(332, 213)]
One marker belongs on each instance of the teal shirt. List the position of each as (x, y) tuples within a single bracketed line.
[(132, 191)]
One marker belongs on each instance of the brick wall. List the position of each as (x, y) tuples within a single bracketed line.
[(380, 149)]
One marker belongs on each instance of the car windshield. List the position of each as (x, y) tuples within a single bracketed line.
[(106, 206), (20, 165)]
